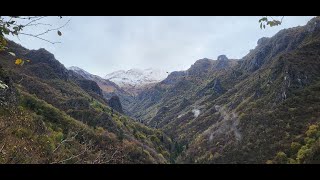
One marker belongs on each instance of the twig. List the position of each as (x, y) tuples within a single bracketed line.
[(65, 140), (72, 157), (2, 148), (40, 38), (20, 80), (97, 158), (41, 17), (112, 156), (271, 17), (52, 29), (29, 17), (39, 24)]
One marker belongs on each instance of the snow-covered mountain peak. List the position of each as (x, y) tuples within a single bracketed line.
[(137, 77)]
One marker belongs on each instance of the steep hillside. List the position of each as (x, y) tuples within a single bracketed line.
[(263, 108), (175, 95), (109, 89), (52, 115)]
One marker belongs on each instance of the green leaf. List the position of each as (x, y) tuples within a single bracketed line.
[(5, 31), (260, 25), (264, 26)]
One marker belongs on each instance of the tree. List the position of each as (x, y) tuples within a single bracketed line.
[(15, 26), (269, 21)]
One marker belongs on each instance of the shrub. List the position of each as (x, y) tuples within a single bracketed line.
[(269, 162), (140, 135), (281, 157), (23, 133), (294, 148), (154, 139), (292, 161), (303, 153), (100, 130), (311, 132)]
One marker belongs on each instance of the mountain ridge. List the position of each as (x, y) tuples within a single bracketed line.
[(50, 114), (262, 108), (135, 80)]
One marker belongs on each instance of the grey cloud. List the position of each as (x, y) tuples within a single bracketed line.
[(105, 44)]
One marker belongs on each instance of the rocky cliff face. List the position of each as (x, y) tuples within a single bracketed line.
[(109, 89), (114, 103)]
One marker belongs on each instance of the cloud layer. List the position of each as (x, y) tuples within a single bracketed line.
[(102, 45)]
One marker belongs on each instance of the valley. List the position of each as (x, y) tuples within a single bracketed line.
[(262, 108)]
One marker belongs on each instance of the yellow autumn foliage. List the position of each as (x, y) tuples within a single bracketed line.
[(19, 62)]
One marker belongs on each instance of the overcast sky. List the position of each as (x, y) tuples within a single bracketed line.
[(102, 45)]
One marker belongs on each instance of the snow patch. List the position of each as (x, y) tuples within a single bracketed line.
[(137, 77)]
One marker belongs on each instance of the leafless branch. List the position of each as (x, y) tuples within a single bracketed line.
[(271, 17), (39, 38), (72, 157), (29, 17), (36, 24), (64, 141), (98, 158), (20, 80), (87, 148), (37, 19), (112, 156), (52, 29), (2, 147)]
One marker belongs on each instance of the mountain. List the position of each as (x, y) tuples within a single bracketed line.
[(106, 85), (50, 114), (110, 90), (263, 108), (134, 80), (180, 87)]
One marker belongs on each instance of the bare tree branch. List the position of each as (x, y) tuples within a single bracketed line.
[(36, 24), (65, 140), (40, 38), (52, 29), (2, 147), (29, 17), (112, 156), (37, 19), (72, 157)]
